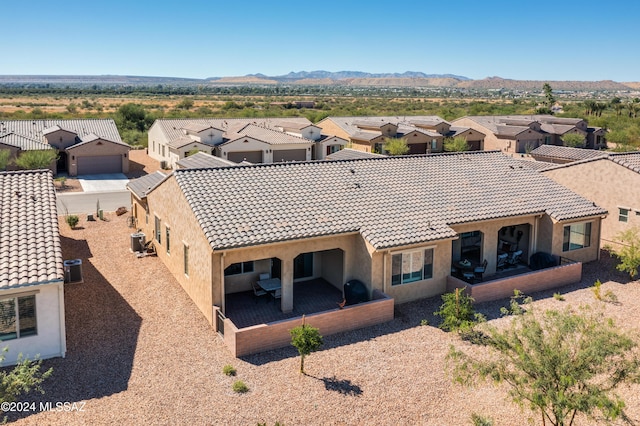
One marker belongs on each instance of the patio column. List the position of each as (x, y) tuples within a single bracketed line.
[(287, 285)]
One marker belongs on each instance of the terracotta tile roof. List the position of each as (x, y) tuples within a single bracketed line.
[(269, 136), (350, 125), (352, 154), (142, 185), (92, 137), (30, 251), (23, 142), (202, 160), (566, 153), (36, 129), (390, 201), (183, 141), (630, 160)]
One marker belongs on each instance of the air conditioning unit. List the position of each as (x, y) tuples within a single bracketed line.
[(73, 271), (163, 165), (137, 242)]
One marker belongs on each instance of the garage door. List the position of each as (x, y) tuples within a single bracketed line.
[(92, 165), (417, 148), (250, 156), (289, 155)]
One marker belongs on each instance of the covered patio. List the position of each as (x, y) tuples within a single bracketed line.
[(311, 296)]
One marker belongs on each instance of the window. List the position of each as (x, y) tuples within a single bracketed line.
[(303, 266), (576, 236), (185, 258), (547, 140), (166, 234), (239, 268), (333, 148), (434, 144), (411, 266), (18, 317), (163, 150), (158, 224), (623, 215)]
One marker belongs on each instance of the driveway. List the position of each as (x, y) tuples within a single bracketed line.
[(103, 182)]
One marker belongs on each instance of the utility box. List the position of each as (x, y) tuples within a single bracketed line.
[(73, 271), (137, 242)]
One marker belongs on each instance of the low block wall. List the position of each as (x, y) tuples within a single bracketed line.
[(527, 283), (263, 337)]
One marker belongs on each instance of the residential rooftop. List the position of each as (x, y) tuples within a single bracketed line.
[(30, 250), (37, 129), (566, 153), (390, 201), (202, 160)]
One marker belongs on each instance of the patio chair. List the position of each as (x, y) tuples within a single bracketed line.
[(515, 258), (257, 291), (502, 261), (264, 276), (277, 294), (478, 271)]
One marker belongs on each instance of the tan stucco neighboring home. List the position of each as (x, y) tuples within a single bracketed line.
[(84, 146), (399, 225), (32, 318), (254, 140), (520, 134), (16, 144), (612, 181), (423, 134)]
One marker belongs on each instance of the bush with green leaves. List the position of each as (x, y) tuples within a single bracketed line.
[(72, 220), (628, 252), (457, 144), (396, 146), (239, 387), (515, 303), (39, 159), (479, 420), (229, 370), (24, 377), (5, 156), (457, 312)]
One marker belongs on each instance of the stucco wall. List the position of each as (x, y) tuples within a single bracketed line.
[(98, 147), (552, 235), (50, 341), (156, 135), (168, 203), (61, 139), (330, 128), (610, 186)]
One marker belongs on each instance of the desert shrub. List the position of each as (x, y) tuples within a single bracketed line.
[(229, 370), (240, 387), (457, 312), (72, 220)]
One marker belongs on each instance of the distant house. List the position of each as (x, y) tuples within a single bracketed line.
[(564, 154), (271, 140), (84, 146), (423, 134), (612, 181), (399, 225), (520, 134), (32, 318)]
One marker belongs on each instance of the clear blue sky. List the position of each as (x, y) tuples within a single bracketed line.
[(541, 40)]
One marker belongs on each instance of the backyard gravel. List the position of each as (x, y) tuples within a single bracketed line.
[(140, 352)]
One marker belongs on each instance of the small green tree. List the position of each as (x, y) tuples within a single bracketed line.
[(457, 311), (396, 146), (558, 364), (40, 159), (186, 103), (457, 144), (628, 252), (72, 220), (305, 339), (23, 378), (548, 94), (573, 140), (5, 154)]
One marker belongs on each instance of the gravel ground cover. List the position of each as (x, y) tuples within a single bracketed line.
[(140, 352)]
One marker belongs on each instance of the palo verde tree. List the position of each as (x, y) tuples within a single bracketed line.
[(305, 339), (559, 364), (628, 252), (573, 140), (40, 159), (396, 146)]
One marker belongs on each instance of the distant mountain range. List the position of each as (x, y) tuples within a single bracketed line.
[(324, 78)]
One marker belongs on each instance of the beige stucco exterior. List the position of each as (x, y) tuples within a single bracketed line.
[(611, 186), (519, 144), (61, 139), (98, 147), (320, 148)]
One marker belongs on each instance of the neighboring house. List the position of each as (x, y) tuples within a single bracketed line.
[(254, 140), (611, 181), (16, 144), (520, 134), (564, 154), (397, 224), (423, 134), (32, 320), (85, 146)]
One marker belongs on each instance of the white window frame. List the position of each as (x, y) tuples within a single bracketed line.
[(623, 214)]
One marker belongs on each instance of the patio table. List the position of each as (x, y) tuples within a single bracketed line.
[(270, 285)]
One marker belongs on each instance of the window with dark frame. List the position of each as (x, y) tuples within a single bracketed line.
[(18, 317), (239, 268), (185, 258), (168, 242), (411, 266), (576, 236), (158, 226)]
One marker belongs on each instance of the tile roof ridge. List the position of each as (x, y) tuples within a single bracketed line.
[(25, 172)]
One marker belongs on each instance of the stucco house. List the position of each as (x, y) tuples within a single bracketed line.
[(84, 146), (519, 134), (423, 134), (563, 154), (267, 140), (612, 181), (32, 320), (397, 224)]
